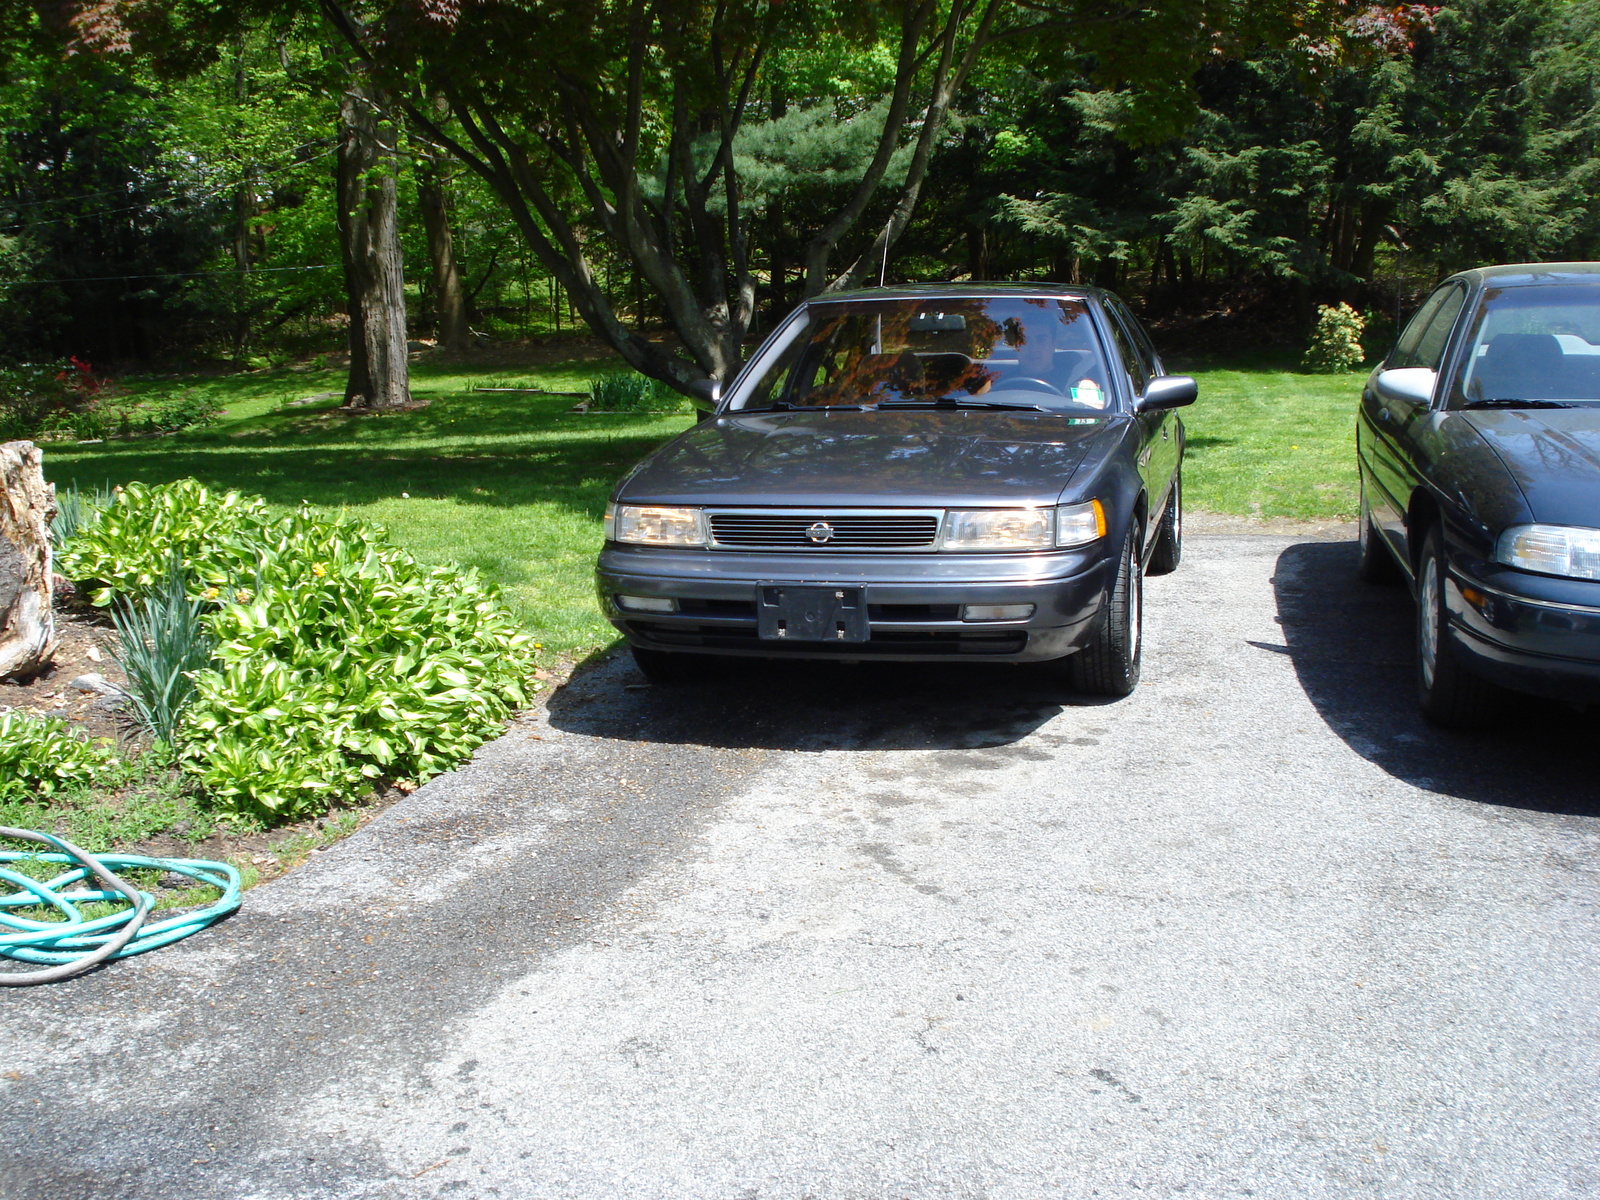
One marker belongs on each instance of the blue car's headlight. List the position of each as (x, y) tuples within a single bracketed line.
[(1569, 550), (999, 529), (655, 525)]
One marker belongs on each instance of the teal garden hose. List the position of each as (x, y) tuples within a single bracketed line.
[(73, 943)]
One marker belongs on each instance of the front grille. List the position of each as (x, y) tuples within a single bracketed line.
[(794, 529)]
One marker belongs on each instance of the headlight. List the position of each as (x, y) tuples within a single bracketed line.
[(1080, 524), (649, 525), (1552, 550), (998, 529)]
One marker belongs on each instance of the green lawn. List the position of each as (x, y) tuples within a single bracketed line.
[(1273, 444), (514, 484)]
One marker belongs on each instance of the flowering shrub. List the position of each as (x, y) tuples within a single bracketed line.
[(1336, 342)]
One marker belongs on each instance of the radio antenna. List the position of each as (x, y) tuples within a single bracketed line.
[(883, 271)]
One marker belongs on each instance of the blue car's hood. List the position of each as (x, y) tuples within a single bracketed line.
[(913, 459), (1554, 457)]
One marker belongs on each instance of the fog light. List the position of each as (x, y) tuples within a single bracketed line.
[(996, 612), (648, 603)]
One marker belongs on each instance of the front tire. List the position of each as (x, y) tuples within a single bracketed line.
[(1451, 696), (1168, 550), (1109, 664)]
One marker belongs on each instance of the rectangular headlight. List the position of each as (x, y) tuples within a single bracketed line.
[(1080, 524), (999, 529), (653, 525), (1568, 550)]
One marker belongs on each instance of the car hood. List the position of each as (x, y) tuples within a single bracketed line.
[(1554, 457), (916, 459)]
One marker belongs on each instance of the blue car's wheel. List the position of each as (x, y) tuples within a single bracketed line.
[(1109, 664)]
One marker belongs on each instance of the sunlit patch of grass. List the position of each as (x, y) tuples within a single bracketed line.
[(1273, 444)]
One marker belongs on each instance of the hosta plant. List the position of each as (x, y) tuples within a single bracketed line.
[(339, 659), (40, 756)]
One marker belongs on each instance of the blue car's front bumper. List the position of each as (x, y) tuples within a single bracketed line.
[(1531, 633), (914, 601)]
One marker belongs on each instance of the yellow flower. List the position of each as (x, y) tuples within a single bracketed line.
[(241, 596), (210, 593), (318, 570)]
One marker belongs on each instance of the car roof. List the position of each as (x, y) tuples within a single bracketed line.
[(938, 291), (1532, 274)]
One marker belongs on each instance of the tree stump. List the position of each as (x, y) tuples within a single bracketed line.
[(27, 502)]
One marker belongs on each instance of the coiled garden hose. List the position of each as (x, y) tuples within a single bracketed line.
[(75, 944)]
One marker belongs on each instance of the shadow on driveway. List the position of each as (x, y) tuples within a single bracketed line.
[(752, 704), (1353, 647)]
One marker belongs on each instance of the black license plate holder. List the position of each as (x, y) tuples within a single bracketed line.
[(830, 613)]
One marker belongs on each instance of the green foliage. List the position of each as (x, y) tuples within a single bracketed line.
[(152, 799), (1336, 342), (45, 398), (127, 551), (339, 659), (42, 756), (162, 643), (76, 511), (628, 391)]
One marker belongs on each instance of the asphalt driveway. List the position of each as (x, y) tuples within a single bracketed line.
[(874, 933)]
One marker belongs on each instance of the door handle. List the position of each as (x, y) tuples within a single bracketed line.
[(1166, 434)]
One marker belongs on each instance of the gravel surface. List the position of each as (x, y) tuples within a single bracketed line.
[(878, 933)]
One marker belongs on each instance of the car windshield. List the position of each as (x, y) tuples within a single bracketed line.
[(1006, 352), (1533, 347)]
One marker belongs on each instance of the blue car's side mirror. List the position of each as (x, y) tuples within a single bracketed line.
[(1168, 391)]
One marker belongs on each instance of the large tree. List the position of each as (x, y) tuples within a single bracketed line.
[(620, 121)]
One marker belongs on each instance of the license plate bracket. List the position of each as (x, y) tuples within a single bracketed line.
[(828, 612)]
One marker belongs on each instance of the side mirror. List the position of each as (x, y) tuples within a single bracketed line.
[(1168, 391), (706, 393), (1412, 385)]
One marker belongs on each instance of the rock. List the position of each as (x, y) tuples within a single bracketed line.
[(97, 683)]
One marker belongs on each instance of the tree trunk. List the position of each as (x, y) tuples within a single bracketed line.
[(450, 298), (27, 502), (369, 241)]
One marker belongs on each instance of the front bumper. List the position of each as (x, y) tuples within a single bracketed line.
[(914, 601), (1531, 633)]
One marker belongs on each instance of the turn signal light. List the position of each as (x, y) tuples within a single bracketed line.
[(662, 604), (996, 612)]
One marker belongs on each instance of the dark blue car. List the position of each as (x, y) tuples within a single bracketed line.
[(1479, 449), (921, 473)]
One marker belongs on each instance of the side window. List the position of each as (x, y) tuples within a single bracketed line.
[(1423, 342), (1141, 339), (1128, 351)]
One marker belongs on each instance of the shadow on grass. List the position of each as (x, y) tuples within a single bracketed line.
[(474, 451), (1352, 646), (1205, 442)]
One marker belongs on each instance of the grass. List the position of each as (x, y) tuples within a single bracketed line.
[(1273, 444)]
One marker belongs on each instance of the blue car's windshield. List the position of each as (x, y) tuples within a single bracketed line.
[(1007, 352), (1533, 346)]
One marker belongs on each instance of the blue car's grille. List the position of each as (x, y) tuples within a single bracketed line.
[(790, 529)]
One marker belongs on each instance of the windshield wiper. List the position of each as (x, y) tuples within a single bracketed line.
[(785, 406), (996, 404), (1513, 402)]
